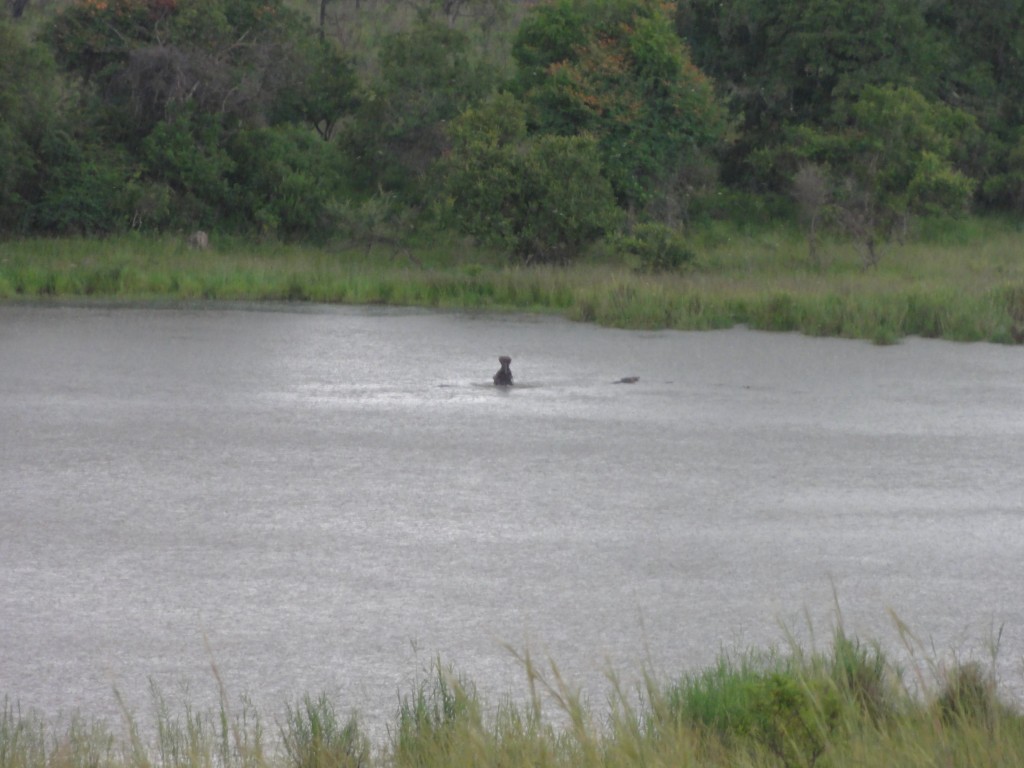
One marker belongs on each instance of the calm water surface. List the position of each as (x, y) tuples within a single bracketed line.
[(326, 499)]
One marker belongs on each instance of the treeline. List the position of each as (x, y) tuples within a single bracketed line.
[(537, 128)]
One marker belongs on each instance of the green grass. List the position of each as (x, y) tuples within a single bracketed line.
[(847, 706), (953, 280)]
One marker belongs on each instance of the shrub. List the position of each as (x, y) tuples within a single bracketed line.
[(187, 155), (543, 198), (657, 248), (84, 188), (791, 708), (284, 180)]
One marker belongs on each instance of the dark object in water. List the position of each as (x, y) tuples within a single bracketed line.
[(503, 378), (628, 380)]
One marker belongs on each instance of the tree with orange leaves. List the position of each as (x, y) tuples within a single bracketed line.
[(616, 70)]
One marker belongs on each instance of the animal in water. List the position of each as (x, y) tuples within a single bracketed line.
[(628, 380), (503, 378)]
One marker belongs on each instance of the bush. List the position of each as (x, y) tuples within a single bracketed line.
[(656, 248), (543, 198), (186, 154), (85, 189), (793, 707), (284, 180)]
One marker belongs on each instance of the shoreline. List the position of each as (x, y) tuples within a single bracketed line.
[(971, 290), (850, 704)]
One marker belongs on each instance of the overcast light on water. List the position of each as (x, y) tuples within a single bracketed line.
[(327, 499)]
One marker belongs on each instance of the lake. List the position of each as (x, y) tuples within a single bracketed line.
[(329, 498)]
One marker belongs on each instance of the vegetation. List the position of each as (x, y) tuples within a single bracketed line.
[(962, 282), (849, 706), (278, 117), (784, 164)]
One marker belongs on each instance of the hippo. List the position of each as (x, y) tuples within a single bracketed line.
[(503, 378)]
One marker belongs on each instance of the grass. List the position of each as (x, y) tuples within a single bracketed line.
[(962, 281), (847, 706)]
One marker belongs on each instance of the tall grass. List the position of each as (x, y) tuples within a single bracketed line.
[(847, 706), (962, 281)]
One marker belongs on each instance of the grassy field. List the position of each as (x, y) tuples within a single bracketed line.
[(847, 706), (960, 280)]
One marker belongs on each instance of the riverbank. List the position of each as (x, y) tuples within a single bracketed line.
[(961, 281), (848, 706)]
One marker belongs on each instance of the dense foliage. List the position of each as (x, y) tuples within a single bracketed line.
[(540, 196), (536, 128), (616, 70)]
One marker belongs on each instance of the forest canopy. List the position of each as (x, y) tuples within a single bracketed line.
[(536, 127)]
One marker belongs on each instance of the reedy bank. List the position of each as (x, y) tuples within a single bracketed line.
[(962, 282), (847, 706)]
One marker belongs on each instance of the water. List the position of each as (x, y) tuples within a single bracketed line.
[(326, 499)]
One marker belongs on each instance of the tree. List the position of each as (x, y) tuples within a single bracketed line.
[(55, 176), (28, 99), (85, 188), (181, 94), (983, 50), (782, 63), (428, 75), (285, 179), (542, 197), (188, 153), (237, 59), (886, 155), (615, 70), (318, 89)]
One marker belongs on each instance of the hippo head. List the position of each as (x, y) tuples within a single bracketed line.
[(504, 376)]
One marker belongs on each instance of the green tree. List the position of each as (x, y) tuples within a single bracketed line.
[(783, 63), (53, 176), (318, 89), (181, 93), (28, 99), (187, 152), (887, 155), (146, 58), (285, 180), (615, 69), (85, 188), (983, 51), (428, 75), (1003, 184), (542, 197)]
